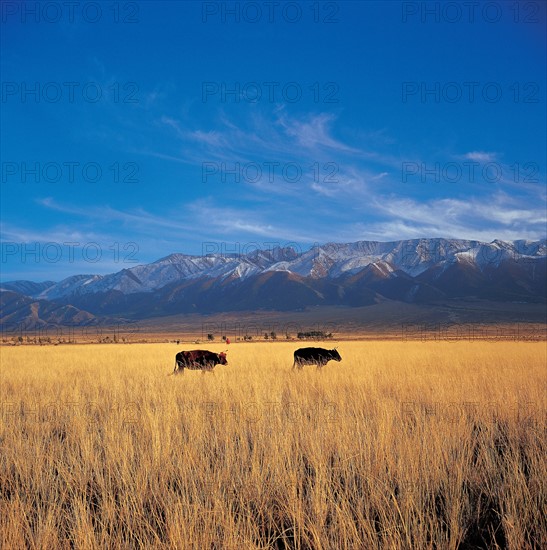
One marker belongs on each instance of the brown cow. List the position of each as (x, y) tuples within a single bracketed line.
[(198, 359)]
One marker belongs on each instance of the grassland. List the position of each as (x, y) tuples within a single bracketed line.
[(404, 445)]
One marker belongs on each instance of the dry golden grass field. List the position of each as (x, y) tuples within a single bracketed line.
[(402, 445)]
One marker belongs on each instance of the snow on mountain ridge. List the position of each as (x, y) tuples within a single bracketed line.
[(330, 260)]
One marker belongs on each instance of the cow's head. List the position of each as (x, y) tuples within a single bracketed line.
[(335, 355), (222, 358)]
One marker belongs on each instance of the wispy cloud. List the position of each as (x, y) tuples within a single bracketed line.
[(344, 194), (310, 136), (354, 180), (481, 156), (57, 234), (314, 133), (328, 166), (110, 214), (499, 217), (173, 124)]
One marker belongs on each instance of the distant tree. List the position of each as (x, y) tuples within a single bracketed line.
[(273, 335), (265, 336), (210, 337), (316, 334)]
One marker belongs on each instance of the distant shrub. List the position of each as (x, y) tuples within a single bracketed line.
[(316, 334)]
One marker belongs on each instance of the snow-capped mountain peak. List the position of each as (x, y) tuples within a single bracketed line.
[(331, 260)]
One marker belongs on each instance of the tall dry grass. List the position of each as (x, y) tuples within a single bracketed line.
[(401, 445)]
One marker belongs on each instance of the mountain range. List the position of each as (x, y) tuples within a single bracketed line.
[(419, 271)]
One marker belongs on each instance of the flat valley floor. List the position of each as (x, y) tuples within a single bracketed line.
[(401, 445)]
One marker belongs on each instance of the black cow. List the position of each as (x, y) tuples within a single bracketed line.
[(314, 356), (198, 359)]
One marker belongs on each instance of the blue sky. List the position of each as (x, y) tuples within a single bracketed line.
[(160, 127)]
